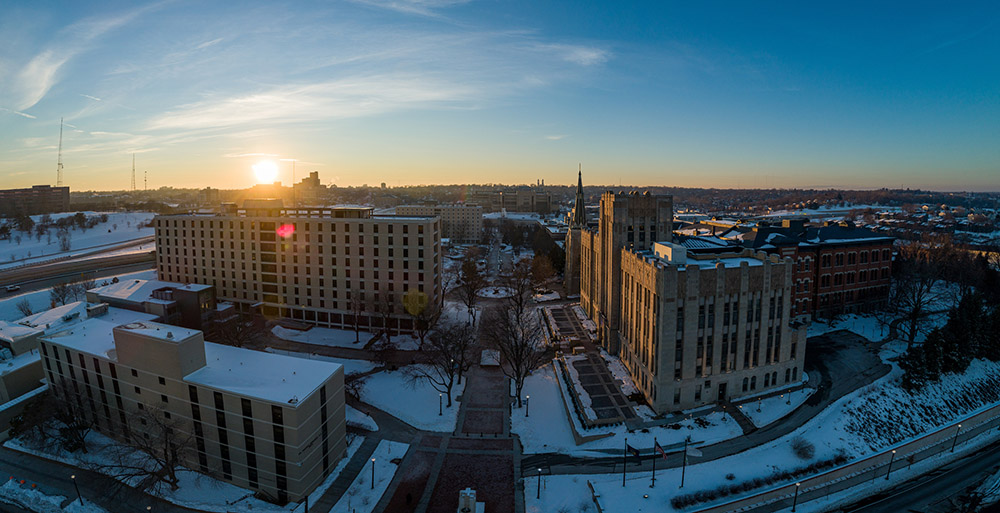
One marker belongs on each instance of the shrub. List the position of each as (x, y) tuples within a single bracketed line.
[(803, 448)]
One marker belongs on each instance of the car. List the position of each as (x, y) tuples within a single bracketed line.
[(12, 288)]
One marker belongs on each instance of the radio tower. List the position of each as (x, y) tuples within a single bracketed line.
[(59, 164), (133, 172), (145, 179)]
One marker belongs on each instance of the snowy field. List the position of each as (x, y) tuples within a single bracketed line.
[(358, 419), (120, 227), (39, 300), (323, 336), (196, 490), (547, 428), (415, 403), (361, 496)]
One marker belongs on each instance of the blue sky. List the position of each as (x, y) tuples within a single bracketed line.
[(742, 94)]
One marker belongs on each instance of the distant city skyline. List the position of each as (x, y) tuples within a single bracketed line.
[(454, 91)]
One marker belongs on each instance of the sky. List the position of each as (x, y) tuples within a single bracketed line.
[(692, 94)]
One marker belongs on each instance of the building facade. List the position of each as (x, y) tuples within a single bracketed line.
[(577, 222), (627, 221), (460, 223), (320, 265), (39, 199), (698, 329), (512, 199), (266, 422)]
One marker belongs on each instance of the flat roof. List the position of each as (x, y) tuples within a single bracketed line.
[(271, 377), (139, 291), (11, 332), (729, 262), (93, 336), (167, 332)]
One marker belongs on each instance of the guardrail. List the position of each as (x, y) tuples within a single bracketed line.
[(879, 465)]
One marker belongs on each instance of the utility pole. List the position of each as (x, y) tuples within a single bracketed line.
[(133, 172)]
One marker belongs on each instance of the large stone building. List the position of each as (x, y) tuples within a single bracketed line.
[(692, 327), (577, 222), (461, 223), (627, 221), (512, 199), (271, 423), (310, 264), (39, 199)]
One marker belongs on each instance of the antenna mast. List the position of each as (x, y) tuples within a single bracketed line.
[(133, 172), (145, 179), (59, 164)]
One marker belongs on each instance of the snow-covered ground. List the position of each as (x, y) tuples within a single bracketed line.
[(413, 402), (361, 496), (547, 428), (868, 326), (358, 419), (549, 296), (324, 336), (456, 312), (774, 408), (120, 227), (196, 490), (351, 366), (34, 499), (39, 300), (495, 292)]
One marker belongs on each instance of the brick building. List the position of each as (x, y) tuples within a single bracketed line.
[(39, 199)]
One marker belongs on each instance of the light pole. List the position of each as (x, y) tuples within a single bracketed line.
[(955, 441), (527, 402), (78, 496), (795, 500), (440, 404), (538, 494), (758, 404), (891, 458), (373, 473)]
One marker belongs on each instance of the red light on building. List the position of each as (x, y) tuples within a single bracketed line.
[(285, 231)]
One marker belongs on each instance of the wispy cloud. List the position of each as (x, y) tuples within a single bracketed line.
[(206, 44), (242, 155), (89, 97), (556, 137), (22, 114), (578, 54), (421, 7)]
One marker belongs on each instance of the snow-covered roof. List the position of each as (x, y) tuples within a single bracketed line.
[(139, 291), (19, 361), (729, 262), (56, 317), (160, 331), (11, 332), (270, 377), (93, 336)]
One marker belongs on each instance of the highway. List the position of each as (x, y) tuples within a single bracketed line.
[(935, 491)]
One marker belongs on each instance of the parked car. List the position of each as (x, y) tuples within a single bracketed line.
[(12, 288)]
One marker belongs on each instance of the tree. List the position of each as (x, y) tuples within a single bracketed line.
[(24, 306), (385, 305), (357, 305), (517, 337), (54, 420), (921, 267), (448, 349), (541, 269), (471, 282), (240, 331), (80, 288), (154, 448), (424, 322), (520, 284), (61, 293)]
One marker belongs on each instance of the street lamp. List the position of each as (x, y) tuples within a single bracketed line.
[(891, 458), (440, 403), (527, 402), (538, 494), (758, 404), (78, 496), (955, 441), (373, 473), (795, 500)]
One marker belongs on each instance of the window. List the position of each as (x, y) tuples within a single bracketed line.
[(163, 397), (162, 381)]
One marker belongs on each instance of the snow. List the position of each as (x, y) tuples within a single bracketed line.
[(415, 403), (351, 366), (546, 428), (33, 499), (323, 336), (620, 373), (138, 291), (11, 252), (196, 490), (584, 320), (495, 292), (457, 312), (774, 408), (361, 496), (39, 299), (271, 377), (868, 326), (550, 296), (362, 420)]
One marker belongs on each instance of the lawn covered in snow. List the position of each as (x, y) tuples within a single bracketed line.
[(351, 366), (39, 300), (324, 336), (120, 227), (361, 496), (868, 326), (415, 403), (33, 499), (774, 408)]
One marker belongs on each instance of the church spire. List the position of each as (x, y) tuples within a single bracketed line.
[(579, 209)]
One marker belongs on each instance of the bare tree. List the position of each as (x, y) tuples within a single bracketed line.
[(517, 337), (385, 305), (240, 331), (541, 269), (921, 268), (424, 322), (80, 288), (154, 448), (470, 283), (354, 384), (357, 305), (54, 420), (520, 285), (448, 349), (24, 306), (61, 293)]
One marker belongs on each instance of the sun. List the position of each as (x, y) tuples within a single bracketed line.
[(266, 171)]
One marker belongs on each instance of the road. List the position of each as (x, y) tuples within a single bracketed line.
[(98, 273), (933, 492)]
